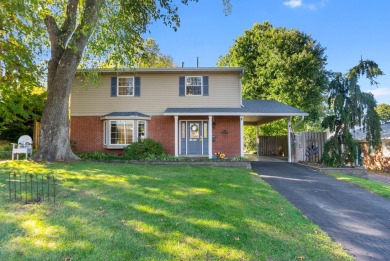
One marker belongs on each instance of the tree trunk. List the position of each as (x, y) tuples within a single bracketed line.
[(55, 142), (67, 46)]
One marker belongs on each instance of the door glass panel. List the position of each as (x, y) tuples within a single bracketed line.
[(205, 130), (183, 130)]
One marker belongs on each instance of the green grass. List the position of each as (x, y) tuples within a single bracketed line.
[(373, 186), (138, 212)]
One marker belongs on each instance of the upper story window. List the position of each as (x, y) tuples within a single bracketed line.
[(194, 85), (125, 86)]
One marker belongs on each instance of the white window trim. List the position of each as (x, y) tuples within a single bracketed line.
[(107, 133), (201, 86), (146, 128), (125, 144), (117, 86)]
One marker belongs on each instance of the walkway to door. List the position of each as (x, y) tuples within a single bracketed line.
[(357, 219)]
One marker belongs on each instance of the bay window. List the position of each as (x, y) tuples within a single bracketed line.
[(121, 132), (118, 134)]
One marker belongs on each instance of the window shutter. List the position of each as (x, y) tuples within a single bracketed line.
[(137, 86), (205, 86), (182, 86), (113, 86)]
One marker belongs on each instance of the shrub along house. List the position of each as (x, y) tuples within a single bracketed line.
[(191, 111)]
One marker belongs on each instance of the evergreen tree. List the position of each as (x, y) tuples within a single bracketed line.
[(351, 108)]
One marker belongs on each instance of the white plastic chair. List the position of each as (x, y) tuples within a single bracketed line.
[(24, 146)]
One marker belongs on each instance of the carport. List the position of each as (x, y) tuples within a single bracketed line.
[(258, 112)]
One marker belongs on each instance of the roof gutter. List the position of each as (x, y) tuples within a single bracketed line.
[(124, 118), (233, 114)]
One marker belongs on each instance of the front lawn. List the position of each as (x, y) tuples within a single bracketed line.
[(138, 212), (373, 186)]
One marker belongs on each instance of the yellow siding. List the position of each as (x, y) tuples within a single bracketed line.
[(158, 92)]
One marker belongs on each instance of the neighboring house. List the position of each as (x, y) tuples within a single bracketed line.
[(191, 111), (376, 160)]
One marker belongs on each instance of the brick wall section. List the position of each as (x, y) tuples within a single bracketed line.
[(87, 133), (162, 129), (229, 144)]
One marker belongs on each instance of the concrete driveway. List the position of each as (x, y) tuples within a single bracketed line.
[(356, 218)]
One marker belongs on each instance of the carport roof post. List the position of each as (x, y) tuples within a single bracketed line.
[(289, 139)]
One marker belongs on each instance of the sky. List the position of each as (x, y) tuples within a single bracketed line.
[(348, 29)]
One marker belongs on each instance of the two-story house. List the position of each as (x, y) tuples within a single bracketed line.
[(191, 111)]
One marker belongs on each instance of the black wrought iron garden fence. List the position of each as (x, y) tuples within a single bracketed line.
[(30, 187)]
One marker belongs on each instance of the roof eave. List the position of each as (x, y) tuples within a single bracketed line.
[(166, 70), (124, 118), (232, 114)]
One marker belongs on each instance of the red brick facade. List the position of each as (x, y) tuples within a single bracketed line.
[(87, 133), (228, 143), (162, 129)]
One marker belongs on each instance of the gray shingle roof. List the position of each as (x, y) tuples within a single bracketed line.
[(385, 133), (127, 114), (269, 106), (250, 107)]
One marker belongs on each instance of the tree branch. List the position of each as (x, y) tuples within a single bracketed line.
[(85, 28), (54, 33), (70, 21)]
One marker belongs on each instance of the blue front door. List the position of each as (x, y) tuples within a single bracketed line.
[(194, 137)]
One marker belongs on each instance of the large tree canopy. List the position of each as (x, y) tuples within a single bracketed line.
[(281, 64), (19, 108), (21, 97), (149, 56), (81, 32), (351, 108), (383, 111)]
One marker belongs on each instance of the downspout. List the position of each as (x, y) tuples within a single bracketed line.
[(242, 105)]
